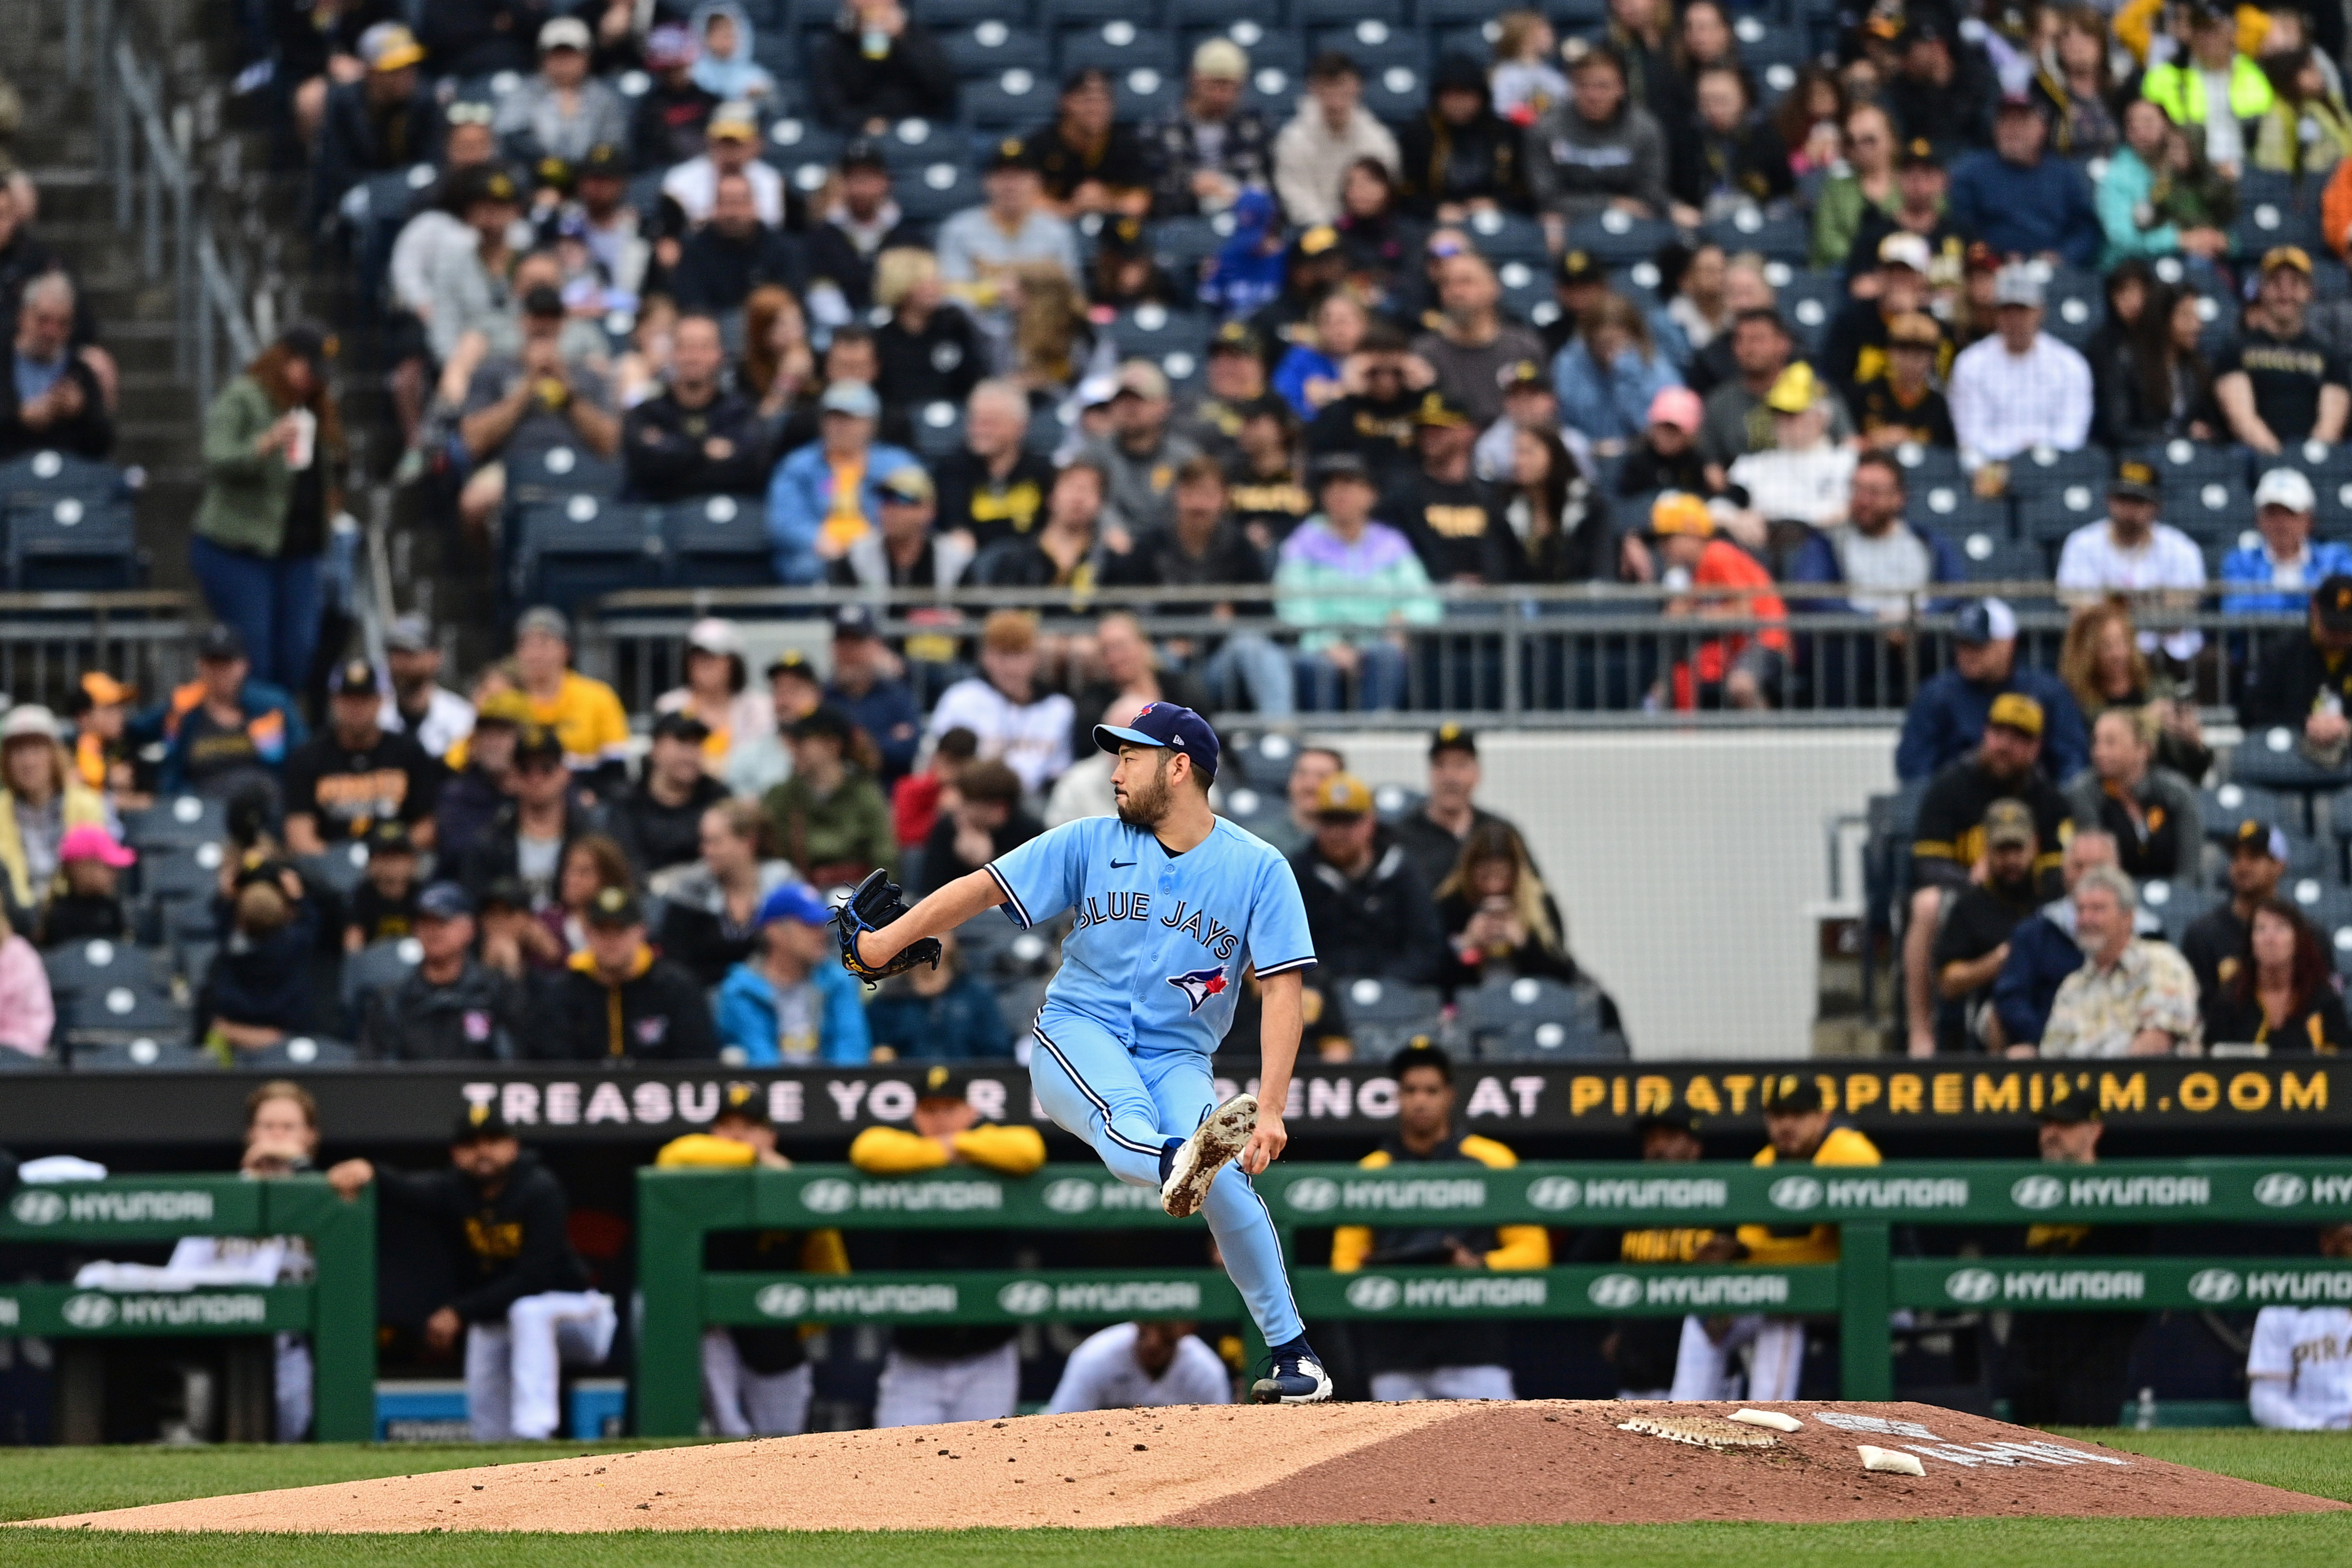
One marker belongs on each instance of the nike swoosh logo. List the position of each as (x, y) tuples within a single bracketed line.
[(1120, 865)]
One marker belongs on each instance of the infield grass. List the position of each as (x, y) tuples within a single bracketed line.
[(39, 1482)]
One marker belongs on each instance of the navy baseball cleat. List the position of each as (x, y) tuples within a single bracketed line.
[(1298, 1378)]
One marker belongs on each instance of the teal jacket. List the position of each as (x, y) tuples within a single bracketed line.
[(747, 1016), (2122, 194)]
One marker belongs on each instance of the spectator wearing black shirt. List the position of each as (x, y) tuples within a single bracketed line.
[(1949, 839), (50, 397), (865, 685), (519, 1284), (1265, 487), (1941, 93), (1903, 406), (485, 783), (928, 351), (673, 113), (452, 1007), (1729, 157), (557, 396), (993, 487), (1235, 375), (617, 998), (850, 236), (696, 438), (382, 908), (658, 820), (23, 257), (1090, 162), (2278, 384), (1069, 550), (385, 122), (1373, 415), (354, 773), (481, 37), (1668, 456), (987, 822), (1498, 917), (92, 864), (1211, 148), (2305, 683), (1369, 911), (1974, 943), (876, 67), (1129, 669), (258, 991), (1454, 518), (2215, 942), (1459, 156), (1435, 836), (1855, 355), (525, 840), (2284, 994), (734, 253)]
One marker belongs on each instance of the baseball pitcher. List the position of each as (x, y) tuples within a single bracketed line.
[(1172, 901)]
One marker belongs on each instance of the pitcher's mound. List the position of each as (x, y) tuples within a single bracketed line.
[(1538, 1462)]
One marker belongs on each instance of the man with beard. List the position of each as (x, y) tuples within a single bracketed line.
[(1172, 902), (1454, 518), (522, 1301), (1373, 417), (1974, 943), (1950, 838), (2217, 942)]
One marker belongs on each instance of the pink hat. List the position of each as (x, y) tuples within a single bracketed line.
[(91, 843), (1677, 406)]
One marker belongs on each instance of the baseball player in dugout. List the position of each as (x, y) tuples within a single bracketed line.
[(522, 1302), (971, 1373), (1644, 1351), (756, 1379), (1797, 1123), (2071, 1368), (1172, 902), (1436, 1360)]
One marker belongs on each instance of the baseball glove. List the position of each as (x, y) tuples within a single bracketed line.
[(875, 904)]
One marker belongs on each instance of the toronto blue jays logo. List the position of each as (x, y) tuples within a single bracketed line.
[(1200, 984)]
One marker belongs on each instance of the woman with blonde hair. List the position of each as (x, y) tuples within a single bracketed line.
[(2153, 812), (1497, 916), (42, 799), (1052, 343), (1524, 80), (928, 352), (2102, 665)]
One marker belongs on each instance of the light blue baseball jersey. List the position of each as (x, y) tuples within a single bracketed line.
[(1161, 940)]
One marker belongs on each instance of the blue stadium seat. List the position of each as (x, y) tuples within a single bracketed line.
[(2275, 209), (1991, 559), (1180, 244), (181, 821), (575, 549), (1154, 330), (1384, 1015), (539, 474), (1275, 90), (2217, 509), (1618, 239), (1781, 236), (171, 873), (69, 526), (988, 46), (2076, 304), (718, 541), (932, 191), (378, 966), (1118, 45), (1809, 302), (1373, 43), (1528, 291), (161, 1053), (1146, 93), (939, 429), (2045, 470), (1065, 13), (1397, 92), (1329, 13), (2186, 466), (301, 1050), (1925, 465), (1012, 100), (1955, 510), (1527, 1019), (2048, 518), (80, 969), (1267, 43), (1504, 237)]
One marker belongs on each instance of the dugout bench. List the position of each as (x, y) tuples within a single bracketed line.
[(676, 1208), (337, 1310)]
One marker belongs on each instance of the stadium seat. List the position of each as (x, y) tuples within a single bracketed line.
[(2047, 471), (537, 474), (2217, 509), (718, 541), (301, 1050), (1929, 466), (1266, 762), (1955, 510), (2049, 518), (1260, 812), (939, 429), (1616, 239), (573, 551), (72, 543), (1992, 559), (988, 46), (1181, 245), (1782, 236), (1394, 802), (93, 969), (934, 190), (180, 822), (339, 868), (168, 873), (1152, 330), (378, 966), (1384, 1015), (1117, 47), (2273, 760), (1809, 301), (1509, 236), (2076, 304), (1012, 100), (1525, 1016), (1397, 92), (2187, 465), (142, 1053), (1333, 13), (1067, 13)]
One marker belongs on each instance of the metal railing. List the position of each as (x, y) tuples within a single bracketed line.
[(145, 155), (50, 641), (1584, 654)]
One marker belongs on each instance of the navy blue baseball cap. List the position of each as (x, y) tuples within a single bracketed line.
[(444, 901), (1169, 724)]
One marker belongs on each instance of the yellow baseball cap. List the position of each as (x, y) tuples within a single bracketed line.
[(1797, 390), (2015, 710), (1343, 795), (1680, 512)]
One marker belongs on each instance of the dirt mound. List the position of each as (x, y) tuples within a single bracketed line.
[(1538, 1462)]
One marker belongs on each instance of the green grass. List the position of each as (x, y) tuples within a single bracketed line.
[(39, 1482)]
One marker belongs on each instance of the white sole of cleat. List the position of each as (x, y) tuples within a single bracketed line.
[(1264, 1392), (1213, 1143)]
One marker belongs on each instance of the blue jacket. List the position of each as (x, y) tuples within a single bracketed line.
[(1612, 404), (747, 1016), (1947, 718), (961, 1023), (2027, 211), (889, 714), (1300, 365), (2249, 564), (1816, 561), (800, 497), (2041, 957), (280, 732)]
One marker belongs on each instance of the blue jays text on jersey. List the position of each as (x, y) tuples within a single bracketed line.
[(1159, 939)]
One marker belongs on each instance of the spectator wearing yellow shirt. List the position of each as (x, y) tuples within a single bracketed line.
[(970, 1373), (756, 1381), (585, 714), (827, 495), (1436, 1360), (1797, 1122)]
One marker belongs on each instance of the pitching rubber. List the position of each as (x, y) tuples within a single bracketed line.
[(1213, 1143)]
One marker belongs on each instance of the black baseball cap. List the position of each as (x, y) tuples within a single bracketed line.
[(793, 662), (1452, 738), (2257, 837), (475, 1123), (220, 644), (825, 724), (2137, 481), (444, 901), (1676, 1121), (613, 908), (542, 299), (1341, 465), (1237, 337), (1791, 1095), (508, 893), (1010, 153), (2072, 1111), (681, 726), (863, 152), (1576, 267), (941, 1081), (537, 742), (1438, 410), (1169, 724), (606, 160), (853, 621), (390, 838), (2331, 603), (355, 678), (745, 1102), (1918, 153)]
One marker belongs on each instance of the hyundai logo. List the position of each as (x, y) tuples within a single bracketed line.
[(1313, 1194), (1614, 1292), (830, 1195), (1555, 1193), (2215, 1286), (1070, 1196), (1026, 1298), (1973, 1286), (88, 1311), (1796, 1191), (38, 1207), (2037, 1192), (782, 1300), (2280, 1189)]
